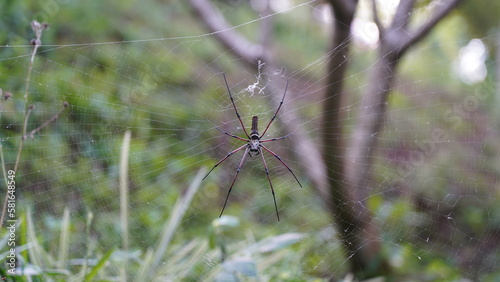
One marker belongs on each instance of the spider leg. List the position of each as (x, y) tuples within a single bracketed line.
[(234, 179), (278, 157), (234, 105), (234, 136), (223, 159), (279, 107), (275, 139), (270, 184)]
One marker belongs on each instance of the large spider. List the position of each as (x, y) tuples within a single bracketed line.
[(253, 147)]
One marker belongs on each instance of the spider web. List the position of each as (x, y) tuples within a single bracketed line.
[(433, 194)]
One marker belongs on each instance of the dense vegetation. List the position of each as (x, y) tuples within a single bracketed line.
[(438, 217)]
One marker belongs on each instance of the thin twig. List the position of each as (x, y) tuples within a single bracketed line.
[(5, 97), (31, 134), (403, 15), (38, 28), (25, 125), (52, 119)]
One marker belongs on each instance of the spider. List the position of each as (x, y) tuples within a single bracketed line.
[(253, 147)]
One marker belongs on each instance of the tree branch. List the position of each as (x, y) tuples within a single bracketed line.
[(403, 14), (398, 38), (49, 121), (224, 32), (397, 33)]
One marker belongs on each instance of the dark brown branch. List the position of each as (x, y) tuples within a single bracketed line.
[(344, 7), (49, 121), (359, 235), (225, 33)]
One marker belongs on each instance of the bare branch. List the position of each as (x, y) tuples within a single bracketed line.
[(355, 220), (49, 121), (225, 33), (398, 38), (438, 15), (345, 7), (403, 14)]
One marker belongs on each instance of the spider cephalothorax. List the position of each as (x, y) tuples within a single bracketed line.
[(253, 147)]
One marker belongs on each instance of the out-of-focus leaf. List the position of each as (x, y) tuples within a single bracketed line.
[(99, 266), (275, 243), (226, 221), (243, 265)]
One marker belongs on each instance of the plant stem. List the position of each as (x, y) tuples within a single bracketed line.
[(124, 199), (38, 28)]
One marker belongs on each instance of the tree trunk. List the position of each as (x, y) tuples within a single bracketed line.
[(359, 236), (349, 175)]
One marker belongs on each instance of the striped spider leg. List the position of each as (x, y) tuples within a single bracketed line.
[(253, 147)]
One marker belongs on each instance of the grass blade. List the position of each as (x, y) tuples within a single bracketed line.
[(99, 265), (124, 198), (64, 240), (171, 225)]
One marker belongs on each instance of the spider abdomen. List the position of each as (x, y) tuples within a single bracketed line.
[(253, 143), (254, 133)]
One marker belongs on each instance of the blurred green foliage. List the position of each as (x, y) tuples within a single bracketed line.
[(165, 91)]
